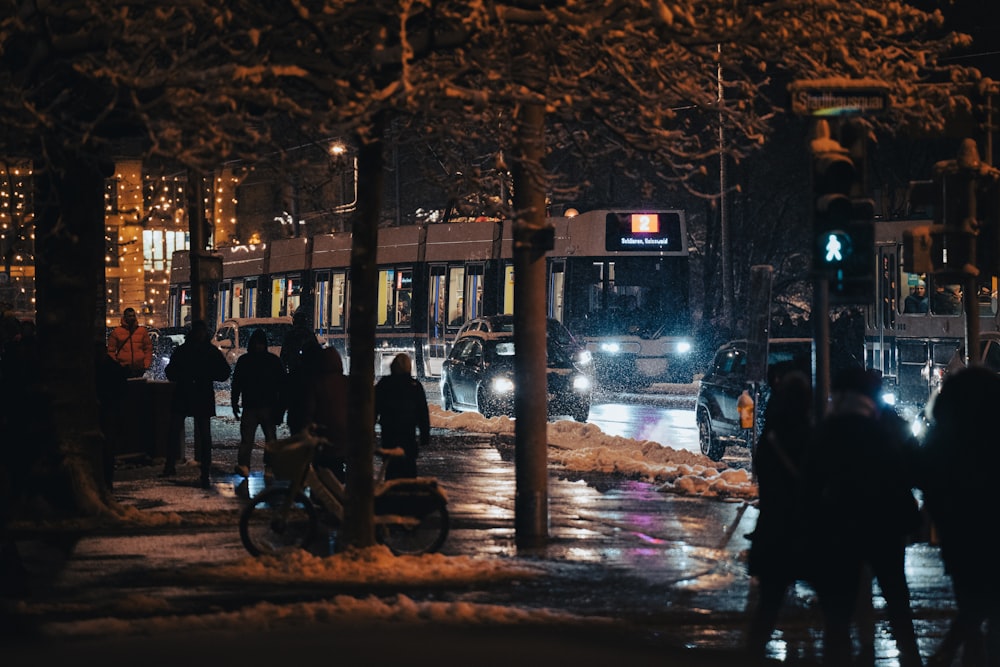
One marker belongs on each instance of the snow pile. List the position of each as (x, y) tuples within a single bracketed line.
[(586, 448)]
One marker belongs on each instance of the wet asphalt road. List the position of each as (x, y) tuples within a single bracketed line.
[(670, 569)]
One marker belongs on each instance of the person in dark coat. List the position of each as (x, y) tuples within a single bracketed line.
[(401, 410), (322, 392), (776, 551), (259, 378), (958, 464), (862, 510), (193, 368), (298, 342), (111, 382)]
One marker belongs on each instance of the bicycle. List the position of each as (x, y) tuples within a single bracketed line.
[(411, 515)]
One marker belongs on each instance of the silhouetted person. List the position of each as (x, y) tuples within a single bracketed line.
[(859, 494), (130, 345), (960, 458), (299, 343), (259, 379), (776, 557), (299, 340), (401, 409), (322, 388), (193, 368)]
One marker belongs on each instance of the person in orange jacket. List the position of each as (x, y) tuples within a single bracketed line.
[(130, 345)]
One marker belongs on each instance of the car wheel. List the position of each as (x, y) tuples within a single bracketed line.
[(485, 409), (582, 412), (447, 399), (710, 446)]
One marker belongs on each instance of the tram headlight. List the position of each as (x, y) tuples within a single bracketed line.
[(683, 347), (502, 385), (611, 347)]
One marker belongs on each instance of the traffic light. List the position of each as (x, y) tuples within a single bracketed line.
[(843, 228)]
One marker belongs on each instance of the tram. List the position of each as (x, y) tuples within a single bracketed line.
[(619, 280), (916, 327)]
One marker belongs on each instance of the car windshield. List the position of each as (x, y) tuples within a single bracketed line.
[(275, 333), (503, 350)]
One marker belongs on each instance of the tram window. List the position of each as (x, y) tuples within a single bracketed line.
[(404, 297), (436, 301), (383, 301), (946, 299), (557, 288), (914, 292), (456, 300), (508, 289), (338, 299), (987, 297)]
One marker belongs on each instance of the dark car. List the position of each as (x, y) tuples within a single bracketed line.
[(716, 409), (478, 376), (554, 329)]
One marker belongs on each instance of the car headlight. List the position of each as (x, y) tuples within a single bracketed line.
[(611, 347), (683, 347), (584, 358), (502, 385), (581, 383)]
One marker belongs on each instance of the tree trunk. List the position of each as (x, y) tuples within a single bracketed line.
[(62, 427), (530, 397), (359, 528)]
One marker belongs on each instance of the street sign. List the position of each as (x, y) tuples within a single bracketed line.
[(838, 97)]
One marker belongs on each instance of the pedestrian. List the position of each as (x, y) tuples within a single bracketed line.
[(299, 340), (401, 411), (259, 378), (959, 461), (322, 402), (193, 368), (111, 382), (862, 511), (777, 552), (130, 345)]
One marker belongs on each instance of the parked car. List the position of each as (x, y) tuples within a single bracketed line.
[(555, 330), (726, 379), (478, 376), (233, 335)]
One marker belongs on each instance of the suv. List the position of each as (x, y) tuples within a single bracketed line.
[(233, 335), (555, 331), (715, 411)]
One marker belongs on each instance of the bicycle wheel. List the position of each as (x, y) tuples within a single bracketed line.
[(411, 522), (272, 524)]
